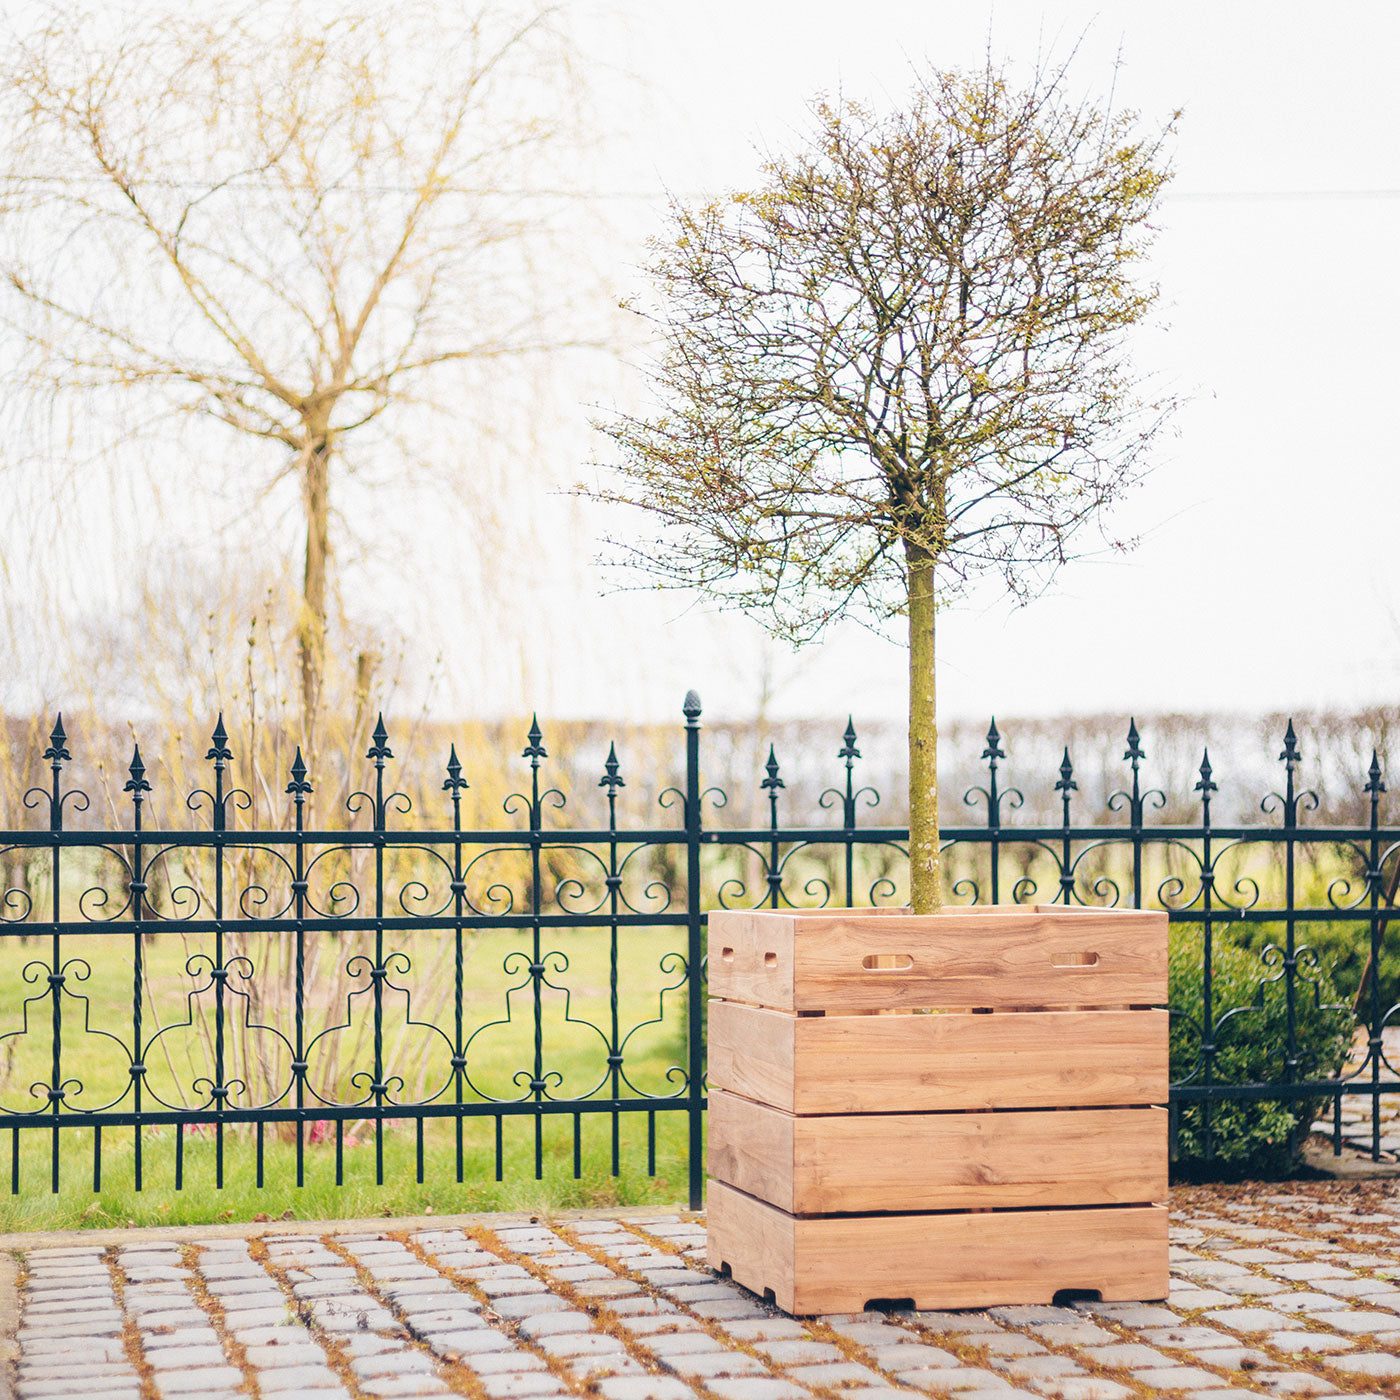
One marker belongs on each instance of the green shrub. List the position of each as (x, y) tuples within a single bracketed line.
[(1259, 1137)]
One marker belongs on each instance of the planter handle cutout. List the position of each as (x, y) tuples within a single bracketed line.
[(887, 962), (1073, 959)]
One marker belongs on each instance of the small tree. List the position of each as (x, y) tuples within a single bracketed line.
[(898, 364), (309, 226)]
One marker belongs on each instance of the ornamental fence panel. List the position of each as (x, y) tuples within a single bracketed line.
[(502, 996)]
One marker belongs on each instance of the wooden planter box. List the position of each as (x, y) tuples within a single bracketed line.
[(1009, 1146)]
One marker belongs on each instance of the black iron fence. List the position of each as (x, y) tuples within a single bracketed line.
[(537, 980)]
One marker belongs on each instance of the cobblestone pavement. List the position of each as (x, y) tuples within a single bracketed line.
[(1283, 1290)]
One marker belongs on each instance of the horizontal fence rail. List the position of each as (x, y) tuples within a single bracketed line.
[(309, 984)]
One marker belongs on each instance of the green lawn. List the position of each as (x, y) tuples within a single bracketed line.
[(183, 1022)]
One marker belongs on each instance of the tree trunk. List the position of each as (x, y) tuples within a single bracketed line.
[(311, 629), (925, 865)]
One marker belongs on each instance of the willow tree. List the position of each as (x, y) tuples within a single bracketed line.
[(289, 220), (899, 363)]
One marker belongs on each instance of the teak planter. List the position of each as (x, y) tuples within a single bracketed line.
[(1006, 1145)]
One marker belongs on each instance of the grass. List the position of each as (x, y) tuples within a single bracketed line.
[(181, 1016)]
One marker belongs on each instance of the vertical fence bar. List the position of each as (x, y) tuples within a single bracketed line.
[(1135, 755), (1064, 787), (136, 784), (454, 785), (1205, 787), (695, 953), (772, 784), (992, 753), (379, 751), (299, 789), (1290, 757), (220, 754), (1374, 788), (849, 753), (612, 780), (535, 751), (56, 753)]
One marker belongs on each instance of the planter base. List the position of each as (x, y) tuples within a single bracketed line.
[(836, 1264)]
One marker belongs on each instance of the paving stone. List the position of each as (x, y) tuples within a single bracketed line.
[(792, 1352), (1306, 1302), (1324, 1343), (908, 1355), (767, 1329), (201, 1378), (290, 1354), (1185, 1336), (1293, 1383), (1002, 1344), (182, 1358), (610, 1287), (634, 1307), (1126, 1354), (1368, 1364), (580, 1344), (62, 1387), (647, 1326), (1069, 1334), (555, 1324), (1248, 1319), (585, 1368), (1225, 1393), (731, 1308), (311, 1377), (529, 1306), (49, 1369), (1039, 1367), (835, 1374), (495, 1363), (955, 1378), (1360, 1321), (87, 1350), (1178, 1378), (686, 1344), (1081, 1388), (1234, 1358), (953, 1322), (707, 1364), (467, 1344), (520, 1386), (404, 1386), (670, 1388)]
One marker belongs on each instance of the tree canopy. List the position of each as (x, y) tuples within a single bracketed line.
[(901, 362)]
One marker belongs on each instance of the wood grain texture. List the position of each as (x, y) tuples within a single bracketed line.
[(911, 1064), (837, 1264), (943, 1161), (1045, 956)]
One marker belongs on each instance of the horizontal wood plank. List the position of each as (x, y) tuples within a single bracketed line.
[(839, 1263), (864, 960), (955, 1061), (941, 1161)]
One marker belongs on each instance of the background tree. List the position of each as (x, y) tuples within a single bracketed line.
[(288, 220), (897, 364)]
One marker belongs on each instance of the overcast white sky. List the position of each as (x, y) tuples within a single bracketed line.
[(1267, 575)]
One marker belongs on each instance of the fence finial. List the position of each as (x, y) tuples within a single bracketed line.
[(57, 750)]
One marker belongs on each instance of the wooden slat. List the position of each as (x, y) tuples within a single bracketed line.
[(838, 1263), (942, 1161), (857, 960), (892, 1064)]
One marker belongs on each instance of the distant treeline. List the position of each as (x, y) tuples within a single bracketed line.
[(1336, 750)]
